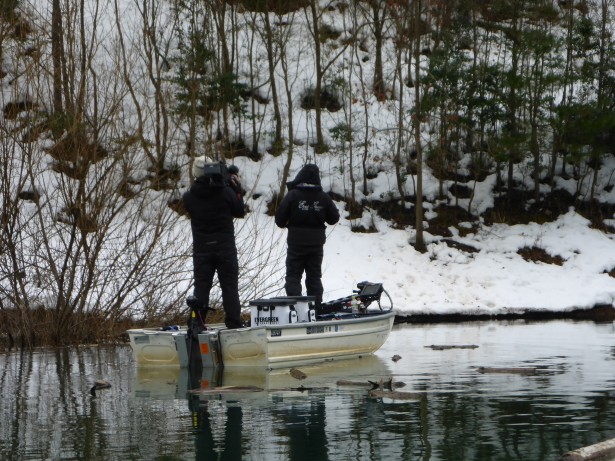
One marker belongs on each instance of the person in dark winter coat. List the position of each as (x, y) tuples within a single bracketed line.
[(305, 211), (212, 205)]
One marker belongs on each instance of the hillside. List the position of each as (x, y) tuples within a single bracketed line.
[(490, 193)]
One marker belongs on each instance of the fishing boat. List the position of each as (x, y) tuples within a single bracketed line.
[(283, 332)]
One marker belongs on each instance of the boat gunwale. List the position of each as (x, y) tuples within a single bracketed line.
[(359, 318), (362, 318)]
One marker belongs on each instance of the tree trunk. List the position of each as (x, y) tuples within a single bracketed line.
[(57, 47), (419, 244), (320, 140), (379, 86), (277, 142)]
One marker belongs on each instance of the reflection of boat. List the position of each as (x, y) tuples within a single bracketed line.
[(284, 332), (162, 383), (324, 374)]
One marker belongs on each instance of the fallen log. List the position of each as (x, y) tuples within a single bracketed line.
[(343, 382), (299, 389), (602, 451), (395, 395), (504, 370), (374, 385), (442, 347), (308, 389), (226, 390), (297, 374)]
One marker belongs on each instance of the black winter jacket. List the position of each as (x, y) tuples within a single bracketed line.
[(212, 210), (306, 208)]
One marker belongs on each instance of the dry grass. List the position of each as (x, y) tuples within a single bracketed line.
[(537, 254), (35, 328)]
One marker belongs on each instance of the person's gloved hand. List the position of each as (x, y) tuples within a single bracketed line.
[(235, 184)]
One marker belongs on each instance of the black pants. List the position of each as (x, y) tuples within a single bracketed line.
[(224, 261), (306, 259)]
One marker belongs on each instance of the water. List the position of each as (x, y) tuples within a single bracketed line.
[(459, 413)]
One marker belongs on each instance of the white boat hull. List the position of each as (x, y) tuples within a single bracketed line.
[(285, 331), (304, 343), (271, 347), (154, 347)]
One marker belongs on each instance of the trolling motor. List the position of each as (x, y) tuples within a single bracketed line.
[(198, 313), (196, 325), (361, 298), (206, 355)]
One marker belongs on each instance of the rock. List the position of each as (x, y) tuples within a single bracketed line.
[(297, 374)]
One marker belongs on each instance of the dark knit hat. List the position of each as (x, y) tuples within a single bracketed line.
[(309, 174)]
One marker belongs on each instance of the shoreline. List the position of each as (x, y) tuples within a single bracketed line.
[(598, 313)]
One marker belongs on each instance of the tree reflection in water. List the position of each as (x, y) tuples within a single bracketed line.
[(48, 413)]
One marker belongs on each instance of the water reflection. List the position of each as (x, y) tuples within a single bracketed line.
[(207, 444), (267, 414), (462, 414), (256, 384)]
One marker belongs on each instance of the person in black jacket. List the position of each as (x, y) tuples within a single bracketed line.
[(304, 211), (212, 204)]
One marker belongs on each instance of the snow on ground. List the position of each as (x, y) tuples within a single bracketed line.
[(445, 280)]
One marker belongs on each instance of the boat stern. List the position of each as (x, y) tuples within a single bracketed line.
[(155, 347)]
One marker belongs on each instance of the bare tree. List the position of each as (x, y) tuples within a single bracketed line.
[(87, 240), (364, 93), (379, 17), (57, 51), (288, 89), (419, 243), (272, 59), (14, 189), (320, 68)]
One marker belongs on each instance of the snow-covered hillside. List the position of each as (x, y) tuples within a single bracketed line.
[(88, 222)]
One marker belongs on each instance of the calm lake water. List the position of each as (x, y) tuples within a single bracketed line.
[(460, 413)]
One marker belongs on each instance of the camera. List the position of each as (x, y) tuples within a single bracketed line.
[(214, 174)]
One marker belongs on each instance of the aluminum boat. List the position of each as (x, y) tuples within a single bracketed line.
[(284, 332)]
